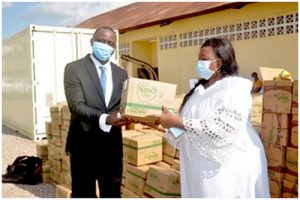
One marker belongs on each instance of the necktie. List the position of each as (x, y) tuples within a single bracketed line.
[(103, 79)]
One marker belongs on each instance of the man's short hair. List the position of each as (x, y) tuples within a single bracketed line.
[(104, 28)]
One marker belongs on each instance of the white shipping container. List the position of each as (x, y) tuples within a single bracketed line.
[(33, 63)]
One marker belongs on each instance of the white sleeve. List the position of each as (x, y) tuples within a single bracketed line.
[(102, 123), (215, 136)]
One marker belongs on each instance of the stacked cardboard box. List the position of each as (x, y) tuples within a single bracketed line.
[(279, 121), (162, 182), (42, 152), (256, 112), (57, 131), (143, 148), (141, 98)]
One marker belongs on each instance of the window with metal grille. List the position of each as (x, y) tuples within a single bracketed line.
[(124, 49), (258, 28)]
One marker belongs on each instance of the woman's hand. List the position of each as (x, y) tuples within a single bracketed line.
[(168, 119)]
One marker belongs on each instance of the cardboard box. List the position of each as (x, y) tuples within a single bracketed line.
[(295, 93), (142, 149), (127, 193), (275, 188), (62, 192), (168, 152), (65, 113), (295, 120), (277, 120), (46, 167), (275, 156), (176, 165), (141, 98), (46, 177), (271, 135), (136, 178), (277, 96), (163, 164), (66, 179), (55, 129), (294, 137), (55, 175), (291, 177), (277, 174), (48, 127), (290, 189), (291, 160), (65, 163), (128, 133), (256, 109), (177, 102), (162, 182), (56, 163), (151, 131), (268, 73), (42, 148), (124, 172)]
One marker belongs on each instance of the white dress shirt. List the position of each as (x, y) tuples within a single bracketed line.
[(109, 88)]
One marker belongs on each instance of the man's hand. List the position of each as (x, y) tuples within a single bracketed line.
[(116, 119)]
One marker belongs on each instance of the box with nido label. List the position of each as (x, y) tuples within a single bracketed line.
[(141, 98)]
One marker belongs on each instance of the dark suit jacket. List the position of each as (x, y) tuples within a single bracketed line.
[(86, 103)]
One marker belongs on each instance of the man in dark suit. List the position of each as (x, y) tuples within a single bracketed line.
[(93, 87)]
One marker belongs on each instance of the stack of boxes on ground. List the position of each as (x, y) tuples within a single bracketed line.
[(279, 135), (150, 167), (57, 131), (256, 114)]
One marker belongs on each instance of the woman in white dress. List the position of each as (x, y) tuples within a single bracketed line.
[(221, 155)]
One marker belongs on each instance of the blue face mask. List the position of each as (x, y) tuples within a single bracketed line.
[(203, 70), (102, 51)]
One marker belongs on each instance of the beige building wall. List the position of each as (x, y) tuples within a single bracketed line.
[(272, 42)]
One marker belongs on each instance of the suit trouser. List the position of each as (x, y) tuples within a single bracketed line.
[(93, 163)]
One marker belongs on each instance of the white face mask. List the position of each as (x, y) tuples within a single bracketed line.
[(203, 70), (252, 79)]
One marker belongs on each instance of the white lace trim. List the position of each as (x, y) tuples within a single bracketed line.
[(217, 137)]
